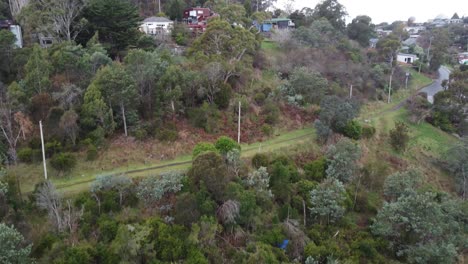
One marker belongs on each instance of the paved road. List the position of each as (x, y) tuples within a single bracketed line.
[(436, 86)]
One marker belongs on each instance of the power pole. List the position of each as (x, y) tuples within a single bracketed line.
[(43, 150), (390, 86), (406, 80), (350, 91), (238, 124)]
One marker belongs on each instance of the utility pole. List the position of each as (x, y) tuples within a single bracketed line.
[(390, 86), (350, 91), (43, 150), (238, 124), (429, 50), (406, 80)]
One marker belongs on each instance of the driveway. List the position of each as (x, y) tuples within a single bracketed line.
[(436, 86)]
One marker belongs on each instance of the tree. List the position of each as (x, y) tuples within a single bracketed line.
[(37, 70), (12, 248), (225, 144), (228, 212), (229, 46), (423, 227), (310, 85), (147, 69), (456, 158), (327, 201), (333, 11), (154, 188), (402, 183), (342, 160), (399, 136), (7, 45), (16, 6), (175, 9), (335, 114), (210, 170), (319, 34), (63, 217), (69, 125), (116, 21), (259, 180), (94, 111), (121, 183), (62, 14), (118, 88), (361, 29), (14, 125)]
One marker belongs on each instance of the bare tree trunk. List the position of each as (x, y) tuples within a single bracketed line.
[(304, 211), (124, 120)]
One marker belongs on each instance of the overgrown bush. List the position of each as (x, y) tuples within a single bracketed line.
[(399, 136), (353, 130), (202, 147), (168, 135), (260, 98), (52, 147), (260, 160), (91, 153), (63, 162), (267, 130), (205, 117), (223, 97), (271, 112), (368, 131), (25, 155), (225, 144), (315, 170)]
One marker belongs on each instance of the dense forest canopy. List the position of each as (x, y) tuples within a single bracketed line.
[(348, 162)]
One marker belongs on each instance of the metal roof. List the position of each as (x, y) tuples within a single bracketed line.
[(156, 19)]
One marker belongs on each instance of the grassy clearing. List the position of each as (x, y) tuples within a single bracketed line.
[(75, 183), (269, 45), (373, 109)]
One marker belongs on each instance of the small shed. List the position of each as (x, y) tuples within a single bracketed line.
[(406, 58)]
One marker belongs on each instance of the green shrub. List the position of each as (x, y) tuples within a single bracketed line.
[(45, 243), (63, 162), (206, 117), (267, 130), (202, 147), (52, 147), (353, 130), (225, 144), (260, 160), (260, 98), (271, 112), (97, 136), (107, 228), (140, 133), (368, 131), (223, 97), (399, 136), (91, 153), (167, 135), (25, 155), (315, 170)]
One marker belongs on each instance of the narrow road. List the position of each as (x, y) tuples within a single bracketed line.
[(436, 86)]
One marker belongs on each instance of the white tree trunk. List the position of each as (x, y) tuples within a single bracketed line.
[(124, 119)]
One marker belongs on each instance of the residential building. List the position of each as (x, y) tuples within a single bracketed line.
[(406, 58), (156, 25), (196, 18), (275, 24), (13, 28)]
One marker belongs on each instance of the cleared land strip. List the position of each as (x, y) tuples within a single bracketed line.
[(286, 140)]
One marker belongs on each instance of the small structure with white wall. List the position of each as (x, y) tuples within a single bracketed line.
[(406, 58), (15, 29), (156, 25)]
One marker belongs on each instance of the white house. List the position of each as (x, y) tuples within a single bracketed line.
[(406, 58), (156, 25)]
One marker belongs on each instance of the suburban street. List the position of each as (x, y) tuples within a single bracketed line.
[(436, 86)]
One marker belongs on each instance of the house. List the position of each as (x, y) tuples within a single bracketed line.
[(463, 58), (13, 28), (156, 25), (373, 42), (196, 18), (275, 24), (412, 40), (415, 29), (406, 58)]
